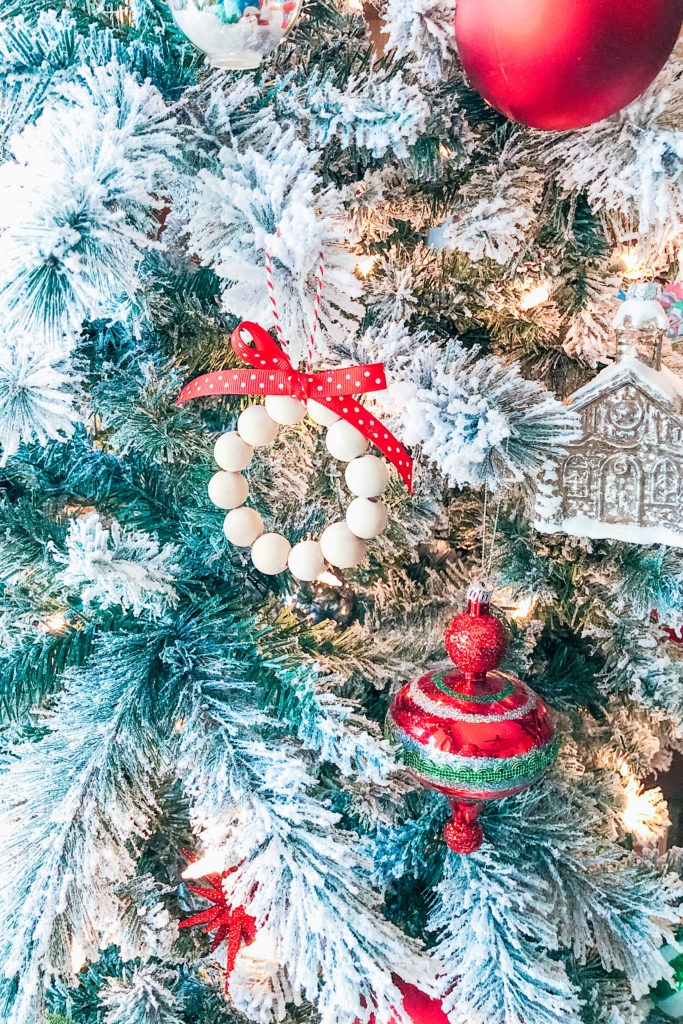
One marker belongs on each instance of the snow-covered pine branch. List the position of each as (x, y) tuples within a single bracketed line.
[(73, 228), (477, 419), (73, 805), (273, 201), (117, 566), (301, 875), (545, 885), (373, 110), (630, 166), (495, 214), (147, 997), (337, 729), (495, 926), (422, 31), (37, 392)]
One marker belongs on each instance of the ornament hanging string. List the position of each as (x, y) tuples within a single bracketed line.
[(316, 304), (273, 302), (486, 566), (316, 311)]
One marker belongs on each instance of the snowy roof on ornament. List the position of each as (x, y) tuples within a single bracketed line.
[(641, 311), (661, 385)]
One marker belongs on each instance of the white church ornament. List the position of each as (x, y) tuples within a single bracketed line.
[(623, 478), (235, 34), (288, 399)]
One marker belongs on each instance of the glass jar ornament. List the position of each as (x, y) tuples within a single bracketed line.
[(235, 34), (472, 733), (641, 323)]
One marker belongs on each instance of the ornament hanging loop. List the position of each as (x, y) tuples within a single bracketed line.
[(316, 304)]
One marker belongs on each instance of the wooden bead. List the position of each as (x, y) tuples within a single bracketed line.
[(366, 518), (341, 547), (232, 453), (256, 427), (270, 553), (344, 442), (306, 560), (284, 409), (367, 477), (243, 526), (228, 490), (321, 414)]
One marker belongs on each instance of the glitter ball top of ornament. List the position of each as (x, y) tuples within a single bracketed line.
[(472, 732)]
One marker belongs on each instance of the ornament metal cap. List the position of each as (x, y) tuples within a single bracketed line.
[(479, 594)]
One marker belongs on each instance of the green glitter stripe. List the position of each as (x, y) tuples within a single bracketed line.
[(511, 769), (490, 698)]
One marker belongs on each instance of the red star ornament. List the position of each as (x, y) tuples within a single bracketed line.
[(228, 922)]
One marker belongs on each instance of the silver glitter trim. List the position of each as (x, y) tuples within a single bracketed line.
[(427, 704)]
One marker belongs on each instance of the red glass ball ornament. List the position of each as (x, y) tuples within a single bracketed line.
[(476, 642), (418, 1007), (472, 733), (558, 64)]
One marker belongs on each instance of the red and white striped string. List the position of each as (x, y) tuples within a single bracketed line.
[(316, 306), (316, 311), (273, 303)]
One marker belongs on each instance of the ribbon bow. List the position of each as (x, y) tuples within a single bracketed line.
[(272, 373)]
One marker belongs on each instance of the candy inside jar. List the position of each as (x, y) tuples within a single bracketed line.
[(235, 34)]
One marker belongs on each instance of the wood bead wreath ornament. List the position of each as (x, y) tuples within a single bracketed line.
[(327, 397)]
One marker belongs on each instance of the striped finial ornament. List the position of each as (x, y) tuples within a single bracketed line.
[(471, 732)]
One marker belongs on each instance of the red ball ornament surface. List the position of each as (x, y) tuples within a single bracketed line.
[(472, 733), (476, 643), (559, 64), (417, 1006)]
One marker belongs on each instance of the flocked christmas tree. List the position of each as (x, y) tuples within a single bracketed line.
[(185, 737)]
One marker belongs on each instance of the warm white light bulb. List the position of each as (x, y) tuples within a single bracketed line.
[(212, 862), (645, 814), (55, 623), (534, 294), (641, 815), (522, 610), (78, 957), (635, 267), (365, 265)]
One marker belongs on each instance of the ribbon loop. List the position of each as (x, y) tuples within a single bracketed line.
[(272, 373), (263, 353)]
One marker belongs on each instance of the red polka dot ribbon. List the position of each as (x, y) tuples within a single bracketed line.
[(272, 373)]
